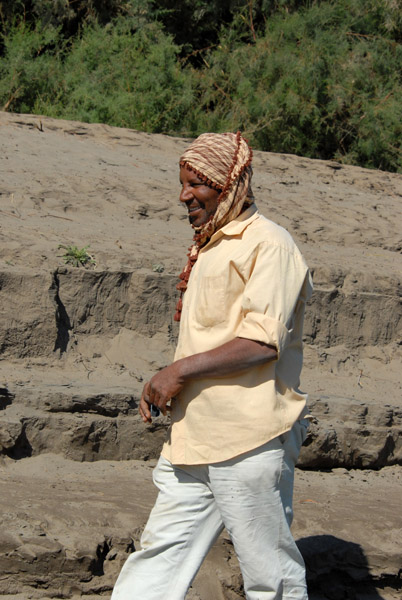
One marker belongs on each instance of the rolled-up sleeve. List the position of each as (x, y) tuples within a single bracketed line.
[(277, 281)]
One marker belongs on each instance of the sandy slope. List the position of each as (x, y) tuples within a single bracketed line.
[(71, 380), (117, 190)]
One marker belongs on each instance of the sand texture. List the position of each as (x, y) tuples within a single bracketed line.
[(77, 344)]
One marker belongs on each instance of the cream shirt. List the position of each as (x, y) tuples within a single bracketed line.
[(249, 281)]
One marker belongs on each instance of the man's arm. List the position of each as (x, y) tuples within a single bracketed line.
[(234, 356)]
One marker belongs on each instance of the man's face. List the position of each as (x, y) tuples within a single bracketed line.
[(200, 199)]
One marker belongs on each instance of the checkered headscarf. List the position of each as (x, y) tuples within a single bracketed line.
[(222, 161)]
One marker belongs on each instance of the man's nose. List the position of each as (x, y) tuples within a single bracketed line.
[(185, 194)]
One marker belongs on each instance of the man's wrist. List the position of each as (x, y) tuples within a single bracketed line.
[(182, 370)]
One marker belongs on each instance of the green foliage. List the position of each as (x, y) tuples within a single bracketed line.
[(70, 15), (77, 257), (111, 74), (194, 24), (320, 78), (31, 67), (323, 82), (126, 78)]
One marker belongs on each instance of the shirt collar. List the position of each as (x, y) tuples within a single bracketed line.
[(237, 226)]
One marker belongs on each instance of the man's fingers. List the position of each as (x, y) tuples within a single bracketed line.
[(158, 400), (147, 393), (144, 408), (151, 395), (146, 417)]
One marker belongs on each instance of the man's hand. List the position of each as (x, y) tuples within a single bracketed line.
[(234, 356), (160, 390)]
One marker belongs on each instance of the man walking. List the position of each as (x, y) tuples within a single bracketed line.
[(237, 416)]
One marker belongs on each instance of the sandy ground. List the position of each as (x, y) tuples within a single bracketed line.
[(116, 191), (50, 496)]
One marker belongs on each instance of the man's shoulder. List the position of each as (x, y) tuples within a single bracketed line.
[(262, 230)]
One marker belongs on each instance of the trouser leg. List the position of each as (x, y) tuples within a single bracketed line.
[(182, 526), (248, 495), (292, 442)]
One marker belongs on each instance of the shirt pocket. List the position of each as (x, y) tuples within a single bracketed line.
[(210, 306)]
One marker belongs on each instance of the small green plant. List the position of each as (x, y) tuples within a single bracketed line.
[(76, 257), (158, 268)]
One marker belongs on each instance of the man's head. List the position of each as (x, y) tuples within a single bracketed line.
[(215, 173)]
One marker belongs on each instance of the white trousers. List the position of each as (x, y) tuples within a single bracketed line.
[(250, 495)]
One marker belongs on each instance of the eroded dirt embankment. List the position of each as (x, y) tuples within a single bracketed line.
[(76, 346)]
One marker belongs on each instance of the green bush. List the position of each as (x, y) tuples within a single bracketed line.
[(110, 74), (69, 15), (319, 83), (316, 78), (31, 68), (125, 78)]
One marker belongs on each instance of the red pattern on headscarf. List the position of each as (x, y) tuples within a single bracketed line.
[(222, 161)]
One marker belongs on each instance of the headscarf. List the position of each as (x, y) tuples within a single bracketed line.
[(222, 161)]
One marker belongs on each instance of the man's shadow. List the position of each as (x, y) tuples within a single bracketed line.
[(338, 570)]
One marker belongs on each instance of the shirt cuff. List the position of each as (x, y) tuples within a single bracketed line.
[(264, 329)]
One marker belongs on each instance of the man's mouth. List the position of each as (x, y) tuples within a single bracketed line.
[(193, 209)]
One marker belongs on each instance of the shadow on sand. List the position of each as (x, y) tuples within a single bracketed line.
[(339, 570)]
